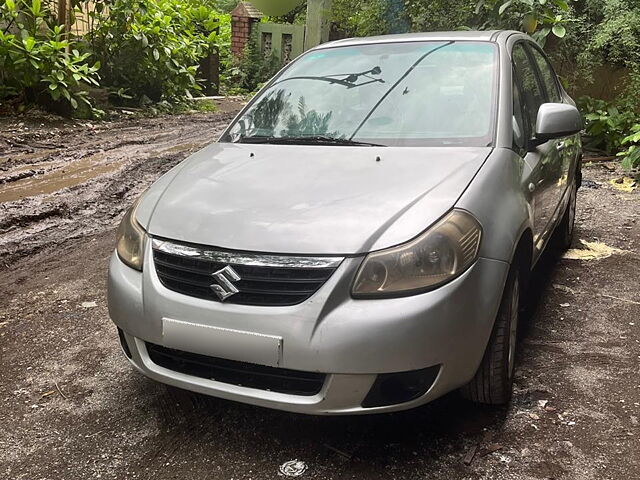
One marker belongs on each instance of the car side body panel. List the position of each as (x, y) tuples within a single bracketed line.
[(505, 214)]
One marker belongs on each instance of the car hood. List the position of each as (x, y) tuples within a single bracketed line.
[(307, 199)]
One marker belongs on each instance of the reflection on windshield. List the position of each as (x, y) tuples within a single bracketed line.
[(349, 81), (268, 114), (417, 93)]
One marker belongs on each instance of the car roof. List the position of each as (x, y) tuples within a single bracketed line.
[(468, 35)]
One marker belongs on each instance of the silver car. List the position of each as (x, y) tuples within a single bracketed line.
[(359, 238)]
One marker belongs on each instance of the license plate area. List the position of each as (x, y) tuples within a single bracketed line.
[(221, 342)]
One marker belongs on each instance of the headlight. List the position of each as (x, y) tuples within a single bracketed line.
[(435, 257), (131, 235)]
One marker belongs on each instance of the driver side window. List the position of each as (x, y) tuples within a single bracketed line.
[(532, 93), (548, 76)]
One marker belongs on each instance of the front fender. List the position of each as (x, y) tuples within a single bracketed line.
[(496, 197)]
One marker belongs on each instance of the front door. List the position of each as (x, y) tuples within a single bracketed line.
[(544, 162), (566, 148)]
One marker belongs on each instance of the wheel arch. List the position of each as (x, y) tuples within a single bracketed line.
[(523, 256)]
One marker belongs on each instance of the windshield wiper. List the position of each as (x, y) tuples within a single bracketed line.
[(306, 140)]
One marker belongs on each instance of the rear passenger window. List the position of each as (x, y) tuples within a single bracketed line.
[(532, 95), (548, 76)]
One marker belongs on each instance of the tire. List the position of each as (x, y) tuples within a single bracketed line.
[(563, 234), (493, 382)]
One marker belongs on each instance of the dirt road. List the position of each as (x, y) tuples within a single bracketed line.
[(72, 408)]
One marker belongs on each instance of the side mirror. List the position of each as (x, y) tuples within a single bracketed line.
[(556, 120)]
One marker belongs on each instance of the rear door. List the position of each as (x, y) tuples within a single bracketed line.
[(544, 161)]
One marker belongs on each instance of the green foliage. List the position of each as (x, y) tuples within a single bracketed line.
[(616, 36), (152, 48), (607, 124), (538, 18), (440, 15), (224, 49), (249, 73), (362, 18), (37, 61), (631, 156), (224, 6), (601, 34)]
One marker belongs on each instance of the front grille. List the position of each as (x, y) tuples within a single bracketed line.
[(281, 380), (264, 280)]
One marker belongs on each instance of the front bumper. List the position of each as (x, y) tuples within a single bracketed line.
[(351, 341)]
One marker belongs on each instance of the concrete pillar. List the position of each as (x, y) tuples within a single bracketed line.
[(318, 23)]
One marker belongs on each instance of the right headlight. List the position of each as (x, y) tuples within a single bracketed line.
[(130, 239), (435, 257)]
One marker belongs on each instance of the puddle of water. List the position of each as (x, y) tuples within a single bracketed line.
[(69, 175)]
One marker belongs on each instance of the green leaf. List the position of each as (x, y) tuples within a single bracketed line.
[(73, 102), (11, 5), (29, 43), (504, 6), (36, 7), (530, 23), (562, 4), (156, 53), (559, 31)]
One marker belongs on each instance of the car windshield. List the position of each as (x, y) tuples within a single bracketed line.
[(392, 94)]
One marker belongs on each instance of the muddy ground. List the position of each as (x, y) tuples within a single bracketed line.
[(71, 407)]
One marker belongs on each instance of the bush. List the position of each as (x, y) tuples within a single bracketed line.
[(252, 70), (37, 62), (607, 124), (362, 18), (631, 156), (151, 48)]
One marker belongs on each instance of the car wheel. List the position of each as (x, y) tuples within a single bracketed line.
[(563, 234), (493, 382)]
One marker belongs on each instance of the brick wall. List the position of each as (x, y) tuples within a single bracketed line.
[(240, 33)]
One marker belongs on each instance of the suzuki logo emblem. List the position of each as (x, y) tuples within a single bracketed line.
[(225, 287)]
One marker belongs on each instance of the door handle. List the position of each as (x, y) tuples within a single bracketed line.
[(560, 146)]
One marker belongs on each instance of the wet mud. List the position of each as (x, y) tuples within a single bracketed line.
[(73, 408)]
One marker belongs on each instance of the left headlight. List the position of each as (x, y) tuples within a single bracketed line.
[(435, 257), (130, 240)]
